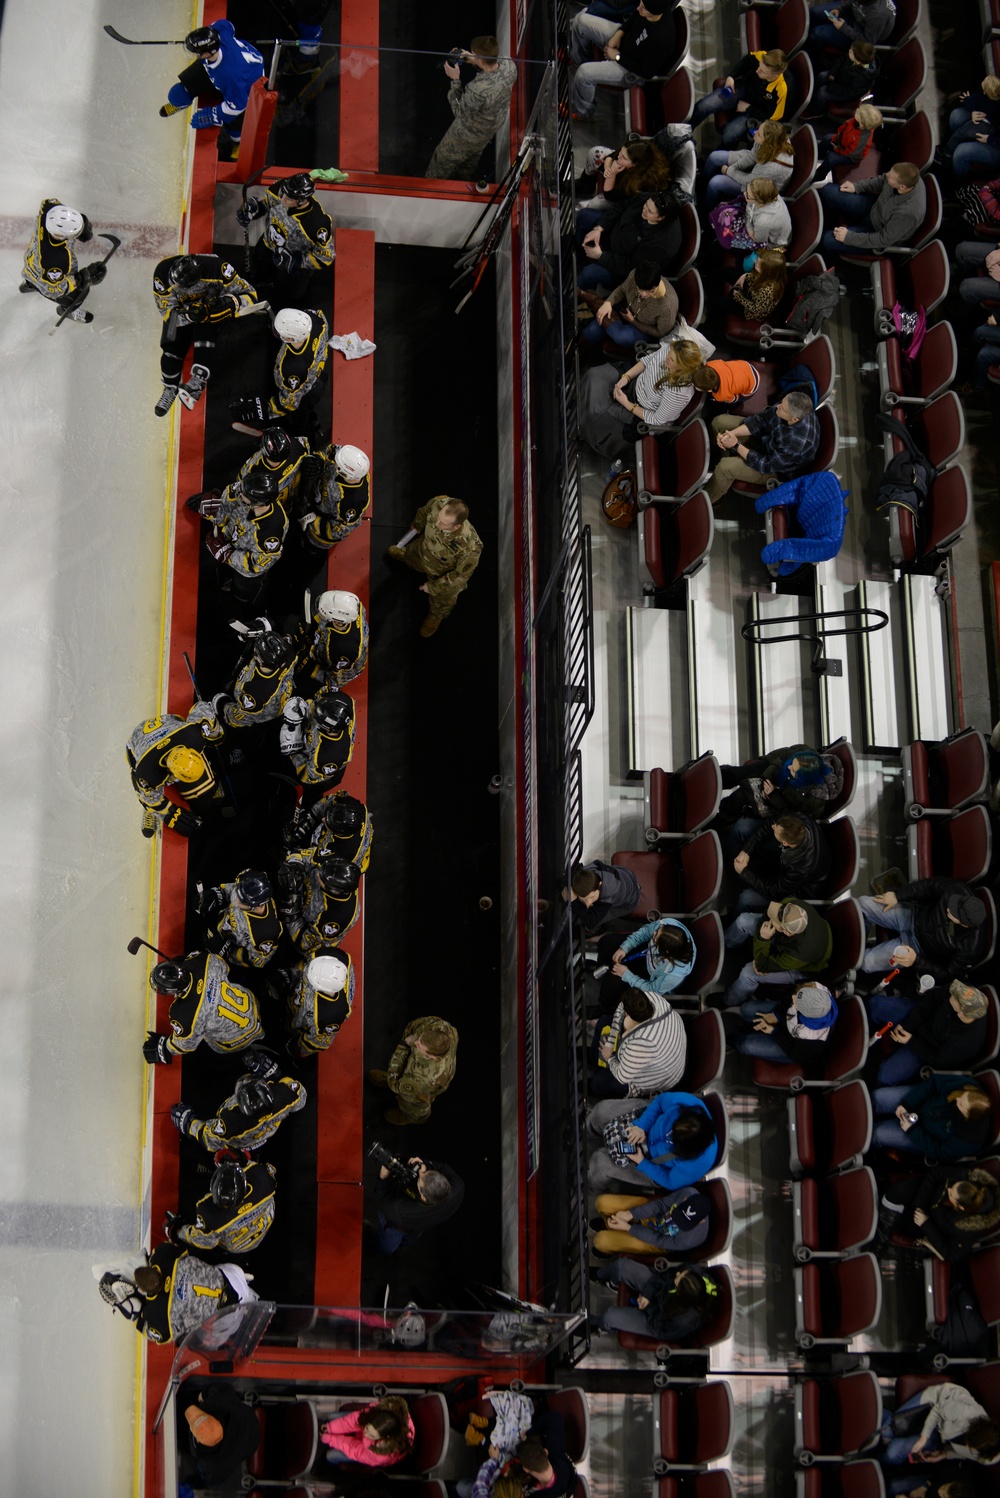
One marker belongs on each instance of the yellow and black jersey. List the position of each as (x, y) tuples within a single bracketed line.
[(217, 294), (152, 740), (339, 507), (324, 753), (50, 264), (339, 652), (240, 1229), (231, 1128), (355, 846), (324, 918), (305, 232), (215, 1010), (257, 540), (316, 1017), (287, 473), (251, 939), (259, 694), (297, 370), (192, 1291)]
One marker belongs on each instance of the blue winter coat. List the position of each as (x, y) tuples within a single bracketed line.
[(663, 976), (658, 1122), (816, 509), (237, 70)]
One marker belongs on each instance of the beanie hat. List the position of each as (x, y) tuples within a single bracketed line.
[(966, 908), (813, 1000)]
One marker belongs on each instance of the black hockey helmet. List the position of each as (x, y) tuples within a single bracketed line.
[(273, 650), (170, 978), (229, 1182), (275, 444), (333, 709), (337, 875), (253, 1097), (253, 887), (260, 486), (301, 185), (184, 271), (343, 813), (203, 39)]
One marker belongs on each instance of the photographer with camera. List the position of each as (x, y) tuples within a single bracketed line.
[(479, 107), (412, 1196)]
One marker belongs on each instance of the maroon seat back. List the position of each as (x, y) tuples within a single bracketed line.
[(844, 1296), (571, 1403), (706, 933), (658, 876), (712, 1421), (715, 1330), (902, 78), (843, 751), (706, 1050), (941, 429), (806, 214), (690, 239), (929, 273), (799, 81), (653, 544), (948, 510), (960, 769), (907, 16), (829, 440), (690, 296), (988, 939), (844, 844), (851, 1207), (937, 361), (913, 141), (677, 98), (963, 845), (848, 928), (806, 161), (984, 1270), (699, 789), (821, 361), (785, 25), (844, 1125), (691, 454), (701, 870), (690, 531), (716, 1105), (429, 1413)]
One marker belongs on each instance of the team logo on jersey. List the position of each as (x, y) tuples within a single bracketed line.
[(322, 235), (272, 543), (228, 271), (55, 274), (248, 702), (266, 948), (331, 929), (177, 1028)]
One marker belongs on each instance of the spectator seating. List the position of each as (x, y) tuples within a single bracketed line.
[(690, 240), (826, 455), (834, 1217), (720, 1232), (901, 79), (829, 1131), (989, 929), (706, 932), (718, 1329), (991, 1044), (982, 1270), (800, 82), (289, 1441), (677, 540), (693, 1424), (913, 141), (845, 860), (673, 468), (785, 25), (940, 779), (907, 18), (743, 331), (690, 296), (571, 1404), (945, 514), (843, 751), (806, 161), (837, 1418), (850, 1480), (431, 1426), (682, 802), (706, 1050), (715, 1103), (843, 1056), (928, 230), (804, 518), (922, 281), (937, 428), (716, 1483), (818, 357), (680, 880), (960, 847), (929, 374), (806, 214), (836, 1300)]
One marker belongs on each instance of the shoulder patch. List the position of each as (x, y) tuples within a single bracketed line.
[(322, 235), (228, 271), (271, 544), (248, 702)]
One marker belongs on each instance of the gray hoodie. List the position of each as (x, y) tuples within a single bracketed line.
[(743, 167), (769, 223)]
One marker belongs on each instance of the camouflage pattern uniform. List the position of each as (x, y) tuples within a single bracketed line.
[(255, 540), (236, 1229), (447, 558), (192, 1292), (248, 940), (315, 919), (316, 1017), (50, 265), (480, 108), (305, 232), (287, 473), (222, 1014), (337, 653), (230, 1128), (337, 507), (297, 371), (150, 743), (261, 694), (324, 756), (417, 1079), (314, 837)]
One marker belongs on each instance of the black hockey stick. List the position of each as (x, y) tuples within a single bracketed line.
[(137, 942), (114, 242), (246, 227), (233, 807), (174, 41)]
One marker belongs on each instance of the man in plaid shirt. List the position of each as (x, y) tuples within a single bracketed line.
[(779, 443)]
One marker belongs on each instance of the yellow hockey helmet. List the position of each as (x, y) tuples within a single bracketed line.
[(186, 765)]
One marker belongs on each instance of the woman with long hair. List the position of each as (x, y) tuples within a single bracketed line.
[(655, 390), (770, 155), (759, 291), (378, 1435), (944, 1118)]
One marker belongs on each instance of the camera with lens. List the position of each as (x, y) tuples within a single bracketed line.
[(400, 1170), (455, 57)]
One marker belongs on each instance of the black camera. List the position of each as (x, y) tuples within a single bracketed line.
[(400, 1170), (455, 57)]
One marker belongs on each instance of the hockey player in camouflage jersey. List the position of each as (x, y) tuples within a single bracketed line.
[(446, 550), (319, 899), (284, 458), (50, 263), (249, 525), (242, 920), (336, 824), (251, 1115), (180, 1292), (193, 294), (340, 498), (479, 107), (320, 999), (264, 685), (170, 751), (297, 239), (236, 1213), (205, 1007), (318, 737), (335, 649), (299, 367)]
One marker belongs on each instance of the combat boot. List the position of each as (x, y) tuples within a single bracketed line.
[(429, 626), (398, 553)]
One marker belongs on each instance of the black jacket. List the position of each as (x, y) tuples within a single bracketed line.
[(626, 239), (776, 871), (240, 1433), (411, 1215), (647, 46), (667, 1316), (850, 80), (948, 951), (940, 1038), (953, 1234)]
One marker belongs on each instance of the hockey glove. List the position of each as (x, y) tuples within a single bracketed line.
[(251, 410), (93, 275), (260, 1064), (179, 819), (171, 1225), (284, 261), (307, 520), (154, 1050), (181, 1116), (203, 118), (211, 903), (255, 208), (219, 547)]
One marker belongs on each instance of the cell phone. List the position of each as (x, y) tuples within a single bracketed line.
[(831, 13)]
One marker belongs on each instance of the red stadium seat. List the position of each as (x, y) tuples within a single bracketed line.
[(677, 540), (683, 879), (922, 281), (989, 938), (693, 1424), (837, 1300), (806, 161), (690, 296), (845, 860), (902, 78), (940, 779), (289, 1441), (928, 230), (682, 802), (829, 1131), (938, 429), (706, 933), (716, 1105), (806, 214), (958, 847), (912, 140), (826, 457), (675, 467), (845, 1054), (677, 97), (837, 1417), (848, 1480), (785, 25), (690, 240), (834, 1217), (706, 1051), (927, 376), (799, 81), (571, 1404), (718, 1329)]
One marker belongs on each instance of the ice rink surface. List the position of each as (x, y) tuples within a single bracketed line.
[(84, 491)]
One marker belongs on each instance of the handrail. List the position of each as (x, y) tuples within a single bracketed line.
[(749, 632)]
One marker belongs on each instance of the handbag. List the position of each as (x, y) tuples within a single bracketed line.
[(730, 225), (615, 1142), (618, 501)]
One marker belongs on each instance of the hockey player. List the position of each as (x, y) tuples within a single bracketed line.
[(284, 457), (205, 1006), (224, 64), (251, 1115), (341, 497), (193, 294), (176, 1292), (297, 239), (320, 1000), (263, 686), (170, 751), (299, 367), (335, 650), (50, 264), (249, 526), (237, 1210), (243, 926), (319, 899), (339, 824), (318, 737)]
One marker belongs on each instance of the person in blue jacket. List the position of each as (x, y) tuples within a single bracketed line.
[(227, 65), (664, 947), (672, 1143)]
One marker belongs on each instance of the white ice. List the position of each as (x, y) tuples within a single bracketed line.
[(82, 500)]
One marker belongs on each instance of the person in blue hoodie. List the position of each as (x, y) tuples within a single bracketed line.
[(224, 64), (672, 1143)]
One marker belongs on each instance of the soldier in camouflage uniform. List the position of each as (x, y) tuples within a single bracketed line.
[(242, 920), (180, 1291), (422, 1066), (170, 751), (235, 1218), (337, 824), (205, 1006), (320, 999), (447, 552), (479, 107), (250, 1116)]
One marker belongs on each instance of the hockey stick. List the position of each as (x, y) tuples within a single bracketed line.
[(115, 243), (246, 227), (137, 942), (233, 807), (130, 41)]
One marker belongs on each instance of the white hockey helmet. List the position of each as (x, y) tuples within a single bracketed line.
[(351, 463), (327, 974), (338, 606), (292, 326), (596, 157), (64, 223)]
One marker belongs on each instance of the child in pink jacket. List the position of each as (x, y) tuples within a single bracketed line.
[(377, 1436)]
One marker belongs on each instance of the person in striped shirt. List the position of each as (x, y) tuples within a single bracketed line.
[(641, 1050)]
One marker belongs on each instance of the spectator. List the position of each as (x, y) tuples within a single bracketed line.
[(673, 1224), (758, 292), (769, 224), (788, 856), (943, 1027), (655, 390), (639, 228), (978, 255), (974, 139), (641, 1049), (601, 894), (644, 307), (945, 1210), (851, 142), (633, 52), (222, 1433), (407, 1209), (378, 1435), (938, 921), (791, 941), (756, 88), (797, 1032), (667, 947), (727, 380), (872, 20), (945, 1482), (850, 78), (987, 342), (796, 780), (541, 1462), (671, 1303), (770, 155), (895, 215), (945, 1118), (671, 1143), (639, 166), (953, 1424), (783, 442)]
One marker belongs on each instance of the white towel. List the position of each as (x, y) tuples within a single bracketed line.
[(352, 345)]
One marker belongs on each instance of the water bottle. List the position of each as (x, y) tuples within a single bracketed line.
[(615, 469)]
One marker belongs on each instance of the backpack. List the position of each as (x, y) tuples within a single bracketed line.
[(818, 298), (963, 1333), (908, 475)]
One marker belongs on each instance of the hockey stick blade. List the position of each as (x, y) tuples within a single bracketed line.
[(134, 945), (241, 426)]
